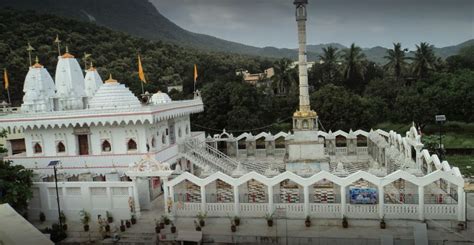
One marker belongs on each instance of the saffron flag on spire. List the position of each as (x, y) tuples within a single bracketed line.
[(5, 78), (141, 74), (195, 73)]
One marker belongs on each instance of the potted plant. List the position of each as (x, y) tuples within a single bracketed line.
[(122, 226), (382, 223), (173, 228), (127, 223), (157, 227), (165, 219), (109, 216), (133, 219), (237, 220), (42, 217), (62, 218), (85, 219), (107, 227), (201, 216), (269, 218), (345, 224), (162, 223), (233, 227), (307, 221), (198, 227)]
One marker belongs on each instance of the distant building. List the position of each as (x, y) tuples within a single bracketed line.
[(257, 79)]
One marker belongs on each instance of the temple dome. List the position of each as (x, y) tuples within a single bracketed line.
[(69, 78), (39, 90), (113, 95), (92, 81), (160, 98)]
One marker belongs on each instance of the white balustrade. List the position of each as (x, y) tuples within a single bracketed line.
[(361, 150), (253, 209), (362, 211), (440, 211), (260, 153), (401, 211), (279, 152), (219, 209), (341, 150), (187, 208), (325, 210), (293, 210)]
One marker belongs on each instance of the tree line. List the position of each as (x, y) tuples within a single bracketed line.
[(347, 90)]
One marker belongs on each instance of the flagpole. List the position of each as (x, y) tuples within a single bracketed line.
[(143, 91), (8, 94)]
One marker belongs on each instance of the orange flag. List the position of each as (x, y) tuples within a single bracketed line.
[(5, 78), (141, 75), (195, 73)]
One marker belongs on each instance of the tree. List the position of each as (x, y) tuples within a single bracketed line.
[(340, 108), (396, 61), (355, 66), (282, 77), (424, 60), (330, 59), (15, 185)]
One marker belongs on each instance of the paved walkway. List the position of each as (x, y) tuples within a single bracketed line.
[(255, 230)]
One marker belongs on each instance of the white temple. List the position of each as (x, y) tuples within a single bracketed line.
[(105, 137)]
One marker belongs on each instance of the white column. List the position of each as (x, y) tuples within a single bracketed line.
[(236, 201), (136, 200), (203, 198), (461, 203), (165, 194), (109, 198), (172, 199), (381, 201), (306, 200), (421, 202), (343, 201), (270, 199)]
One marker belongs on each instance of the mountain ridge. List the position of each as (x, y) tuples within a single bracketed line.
[(121, 15)]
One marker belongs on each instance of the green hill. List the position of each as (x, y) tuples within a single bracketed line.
[(141, 18), (112, 52)]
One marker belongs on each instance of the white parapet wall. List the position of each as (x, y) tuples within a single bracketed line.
[(94, 197), (300, 209)]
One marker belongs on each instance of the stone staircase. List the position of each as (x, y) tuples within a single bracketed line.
[(208, 158)]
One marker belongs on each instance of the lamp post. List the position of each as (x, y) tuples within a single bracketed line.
[(440, 119), (54, 164)]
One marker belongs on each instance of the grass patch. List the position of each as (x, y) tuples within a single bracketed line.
[(456, 134), (465, 163)]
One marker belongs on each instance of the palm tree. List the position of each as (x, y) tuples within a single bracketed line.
[(330, 58), (396, 60), (355, 63), (424, 60), (282, 77)]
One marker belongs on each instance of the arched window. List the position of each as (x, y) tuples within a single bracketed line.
[(163, 138), (106, 147), (60, 148), (179, 132), (37, 148), (187, 129), (131, 145), (153, 142)]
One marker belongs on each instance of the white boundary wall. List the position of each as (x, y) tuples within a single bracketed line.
[(95, 197)]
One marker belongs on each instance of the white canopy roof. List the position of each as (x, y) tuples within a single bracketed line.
[(113, 95), (14, 229)]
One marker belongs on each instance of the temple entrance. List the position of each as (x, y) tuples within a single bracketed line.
[(222, 146), (83, 142)]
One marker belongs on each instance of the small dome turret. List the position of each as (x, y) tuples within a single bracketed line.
[(92, 81), (160, 98)]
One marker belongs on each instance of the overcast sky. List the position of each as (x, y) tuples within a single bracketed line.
[(368, 23)]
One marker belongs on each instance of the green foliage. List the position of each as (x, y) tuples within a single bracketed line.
[(85, 217), (15, 185)]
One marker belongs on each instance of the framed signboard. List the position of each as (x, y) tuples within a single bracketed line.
[(363, 195)]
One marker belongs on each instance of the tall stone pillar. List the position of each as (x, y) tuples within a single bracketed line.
[(343, 201), (270, 199), (421, 202), (203, 198), (236, 201), (306, 200)]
